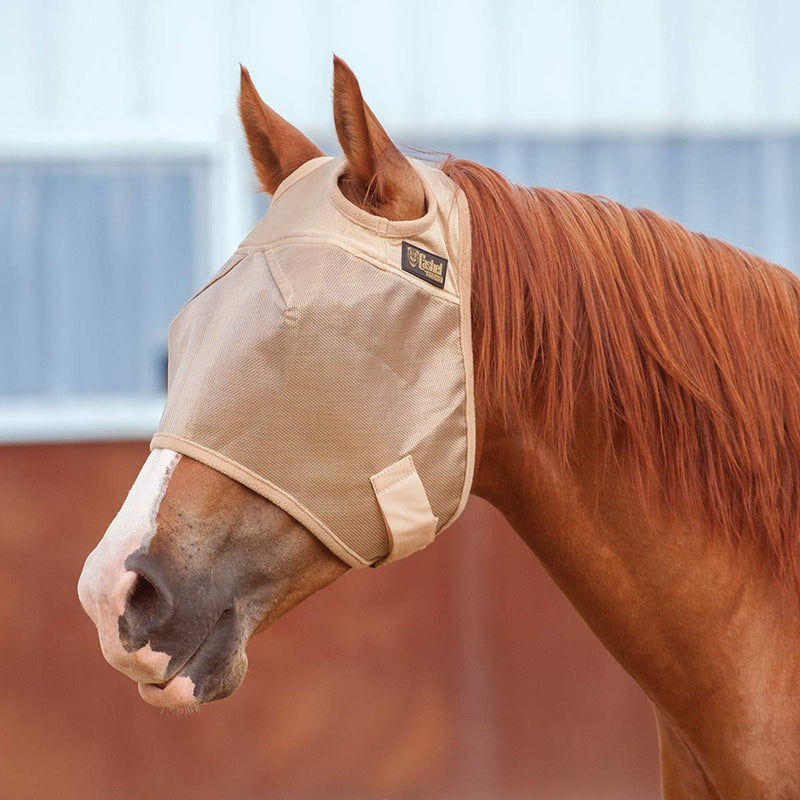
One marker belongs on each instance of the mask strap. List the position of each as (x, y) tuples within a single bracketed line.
[(406, 511)]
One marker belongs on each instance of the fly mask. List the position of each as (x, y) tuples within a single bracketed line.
[(328, 366)]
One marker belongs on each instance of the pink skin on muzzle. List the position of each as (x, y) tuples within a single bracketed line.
[(105, 585)]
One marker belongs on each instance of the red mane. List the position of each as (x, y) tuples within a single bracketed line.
[(689, 347)]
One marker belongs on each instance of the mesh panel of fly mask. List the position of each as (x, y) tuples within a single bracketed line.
[(328, 366)]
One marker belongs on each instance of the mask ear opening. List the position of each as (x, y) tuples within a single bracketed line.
[(375, 222)]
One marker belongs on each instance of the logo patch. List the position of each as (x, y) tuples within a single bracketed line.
[(425, 265)]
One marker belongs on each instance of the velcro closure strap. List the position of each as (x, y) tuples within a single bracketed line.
[(406, 511)]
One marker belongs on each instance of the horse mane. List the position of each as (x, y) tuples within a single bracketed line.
[(688, 347)]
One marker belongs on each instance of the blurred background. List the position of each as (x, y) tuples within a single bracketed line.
[(124, 182)]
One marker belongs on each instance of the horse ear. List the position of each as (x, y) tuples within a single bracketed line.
[(378, 177), (276, 147)]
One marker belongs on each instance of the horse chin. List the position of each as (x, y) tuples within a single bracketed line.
[(176, 694)]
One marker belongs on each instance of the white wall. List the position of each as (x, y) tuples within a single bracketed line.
[(98, 83), (168, 68)]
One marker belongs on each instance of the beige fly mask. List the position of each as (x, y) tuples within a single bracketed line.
[(328, 366)]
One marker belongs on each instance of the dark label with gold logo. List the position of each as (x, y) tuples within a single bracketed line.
[(425, 265)]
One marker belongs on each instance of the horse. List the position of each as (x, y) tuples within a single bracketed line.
[(637, 408)]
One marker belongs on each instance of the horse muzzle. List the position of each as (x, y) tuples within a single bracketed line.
[(159, 622), (180, 653)]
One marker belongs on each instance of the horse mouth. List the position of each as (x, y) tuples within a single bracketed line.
[(214, 671)]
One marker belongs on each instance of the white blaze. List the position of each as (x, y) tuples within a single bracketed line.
[(105, 584)]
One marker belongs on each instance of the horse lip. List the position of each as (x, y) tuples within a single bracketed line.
[(178, 670), (176, 694), (163, 685), (181, 670)]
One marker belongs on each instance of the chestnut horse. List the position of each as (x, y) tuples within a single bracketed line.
[(638, 424)]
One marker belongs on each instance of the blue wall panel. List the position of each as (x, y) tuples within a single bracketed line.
[(96, 258)]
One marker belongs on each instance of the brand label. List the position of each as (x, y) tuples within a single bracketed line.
[(425, 265)]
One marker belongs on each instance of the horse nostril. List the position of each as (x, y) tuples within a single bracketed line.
[(143, 601), (148, 606)]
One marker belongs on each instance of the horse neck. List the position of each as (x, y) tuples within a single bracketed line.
[(703, 627)]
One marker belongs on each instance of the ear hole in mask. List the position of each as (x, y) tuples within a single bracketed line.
[(375, 222), (356, 194)]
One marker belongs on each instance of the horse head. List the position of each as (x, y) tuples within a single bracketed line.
[(207, 550)]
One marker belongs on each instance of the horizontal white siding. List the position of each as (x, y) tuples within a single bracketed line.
[(124, 181), (426, 65)]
